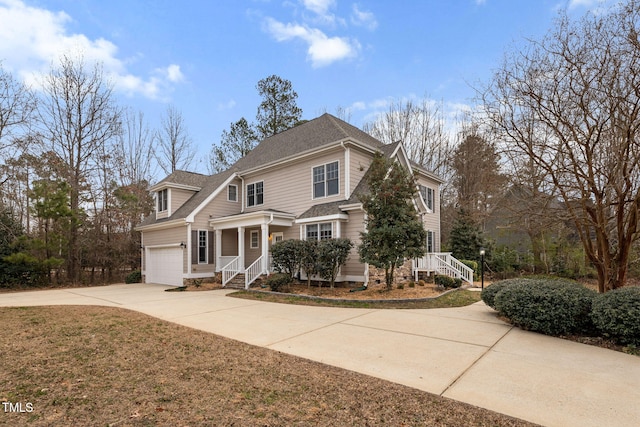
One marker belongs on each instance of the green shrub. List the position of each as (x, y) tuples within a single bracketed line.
[(616, 314), (280, 282), (447, 282), (134, 277), (551, 307), (286, 256), (489, 293)]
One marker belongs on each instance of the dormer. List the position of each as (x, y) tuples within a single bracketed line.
[(170, 196)]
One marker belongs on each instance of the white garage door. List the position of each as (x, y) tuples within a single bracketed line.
[(164, 266)]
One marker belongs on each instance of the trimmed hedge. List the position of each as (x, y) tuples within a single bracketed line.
[(616, 314), (279, 282), (447, 282), (550, 306), (488, 294)]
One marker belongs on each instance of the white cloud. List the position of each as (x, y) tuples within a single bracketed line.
[(481, 2), (363, 18), (322, 50), (320, 7), (33, 38), (227, 105)]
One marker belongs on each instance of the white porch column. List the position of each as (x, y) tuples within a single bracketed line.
[(338, 229), (241, 246), (265, 247), (218, 253)]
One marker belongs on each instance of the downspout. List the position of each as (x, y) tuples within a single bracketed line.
[(347, 172), (243, 195)]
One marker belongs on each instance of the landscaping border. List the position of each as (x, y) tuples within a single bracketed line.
[(347, 300)]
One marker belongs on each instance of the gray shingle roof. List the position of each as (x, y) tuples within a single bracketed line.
[(315, 133), (185, 178), (312, 134)]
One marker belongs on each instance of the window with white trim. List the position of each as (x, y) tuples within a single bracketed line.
[(255, 193), (163, 200), (202, 247), (254, 241), (326, 180), (430, 241), (427, 195), (320, 231), (232, 193)]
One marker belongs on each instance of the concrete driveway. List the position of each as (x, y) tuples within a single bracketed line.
[(465, 354)]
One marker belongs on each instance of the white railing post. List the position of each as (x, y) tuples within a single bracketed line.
[(253, 272)]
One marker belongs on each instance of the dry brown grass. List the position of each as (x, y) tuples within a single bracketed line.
[(107, 366)]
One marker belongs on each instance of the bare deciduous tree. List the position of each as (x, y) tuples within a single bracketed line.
[(133, 150), (571, 103), (16, 106), (174, 147), (422, 129), (78, 117)]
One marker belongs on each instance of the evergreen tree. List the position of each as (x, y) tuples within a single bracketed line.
[(466, 238), (278, 110), (394, 231), (234, 144)]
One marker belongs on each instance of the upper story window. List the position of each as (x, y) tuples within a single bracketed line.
[(163, 200), (255, 193), (427, 195), (326, 181), (232, 193)]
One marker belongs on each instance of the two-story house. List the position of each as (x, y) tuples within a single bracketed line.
[(302, 183)]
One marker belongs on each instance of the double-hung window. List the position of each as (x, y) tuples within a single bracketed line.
[(254, 242), (326, 180), (163, 200), (202, 246), (255, 193), (430, 241), (232, 193), (319, 231)]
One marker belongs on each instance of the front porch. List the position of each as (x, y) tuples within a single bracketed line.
[(247, 239)]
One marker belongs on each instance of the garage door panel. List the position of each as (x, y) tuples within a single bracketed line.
[(164, 266)]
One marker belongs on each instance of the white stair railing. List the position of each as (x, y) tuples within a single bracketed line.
[(253, 272), (444, 263), (230, 270)]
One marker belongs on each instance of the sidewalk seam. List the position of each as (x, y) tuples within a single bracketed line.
[(459, 377)]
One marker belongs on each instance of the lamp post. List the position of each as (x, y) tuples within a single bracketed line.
[(482, 267)]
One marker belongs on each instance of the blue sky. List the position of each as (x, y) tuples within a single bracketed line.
[(205, 57)]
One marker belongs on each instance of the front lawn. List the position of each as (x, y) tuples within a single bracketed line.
[(108, 366)]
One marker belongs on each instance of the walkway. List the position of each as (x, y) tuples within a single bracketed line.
[(465, 354)]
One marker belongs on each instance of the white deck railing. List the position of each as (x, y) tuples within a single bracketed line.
[(444, 263), (253, 272), (230, 270)]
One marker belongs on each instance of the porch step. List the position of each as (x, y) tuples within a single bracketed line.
[(237, 282)]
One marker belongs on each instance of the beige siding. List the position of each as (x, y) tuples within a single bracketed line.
[(178, 197), (251, 254), (360, 162), (230, 242), (218, 207), (351, 230), (432, 220), (167, 236), (290, 189)]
